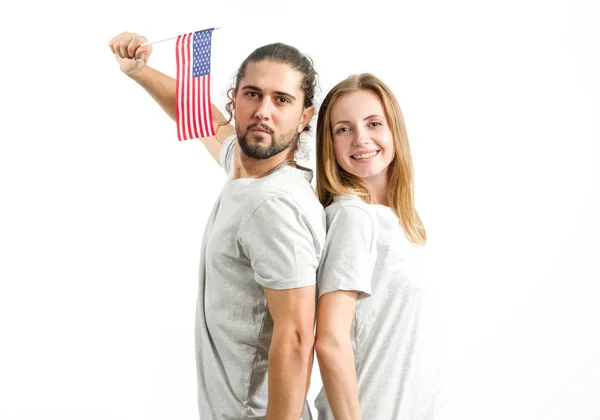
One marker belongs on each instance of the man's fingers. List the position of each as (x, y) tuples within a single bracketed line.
[(135, 41), (122, 46), (115, 43), (142, 53), (112, 42), (128, 45)]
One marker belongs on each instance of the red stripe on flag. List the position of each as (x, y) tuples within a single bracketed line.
[(189, 87), (184, 89), (211, 128), (184, 86), (195, 105), (204, 112), (183, 79), (201, 115), (200, 104), (178, 88)]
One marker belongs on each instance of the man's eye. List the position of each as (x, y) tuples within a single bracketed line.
[(283, 100), (252, 94)]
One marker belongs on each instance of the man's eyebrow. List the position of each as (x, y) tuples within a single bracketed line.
[(281, 93), (250, 87), (277, 92)]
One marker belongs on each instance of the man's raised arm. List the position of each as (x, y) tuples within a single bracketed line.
[(133, 59)]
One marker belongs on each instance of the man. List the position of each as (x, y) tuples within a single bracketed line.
[(263, 241)]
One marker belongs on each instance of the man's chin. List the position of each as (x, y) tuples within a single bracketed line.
[(256, 149), (259, 138), (260, 145)]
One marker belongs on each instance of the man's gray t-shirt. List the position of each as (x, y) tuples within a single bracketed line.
[(263, 232), (394, 333)]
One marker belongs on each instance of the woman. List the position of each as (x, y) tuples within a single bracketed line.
[(373, 334)]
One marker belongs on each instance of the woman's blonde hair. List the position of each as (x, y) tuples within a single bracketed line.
[(333, 180)]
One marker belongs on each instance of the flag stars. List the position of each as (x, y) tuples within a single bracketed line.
[(201, 52)]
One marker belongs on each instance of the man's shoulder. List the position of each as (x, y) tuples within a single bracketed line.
[(291, 186), (285, 197), (226, 154)]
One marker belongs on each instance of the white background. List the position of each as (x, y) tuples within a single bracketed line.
[(103, 209)]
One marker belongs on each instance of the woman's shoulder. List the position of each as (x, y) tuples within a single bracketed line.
[(343, 201), (347, 209)]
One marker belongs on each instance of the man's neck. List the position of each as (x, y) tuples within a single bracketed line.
[(247, 167)]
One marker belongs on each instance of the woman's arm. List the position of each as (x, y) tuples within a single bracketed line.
[(335, 354)]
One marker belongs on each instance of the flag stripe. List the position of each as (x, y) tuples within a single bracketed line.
[(202, 115), (193, 133), (204, 122), (188, 84), (211, 129), (178, 88), (185, 87), (195, 106), (184, 82), (205, 116), (200, 90)]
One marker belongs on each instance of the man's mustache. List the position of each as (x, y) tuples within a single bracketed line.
[(262, 126)]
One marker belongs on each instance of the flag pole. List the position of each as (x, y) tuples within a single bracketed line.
[(168, 39)]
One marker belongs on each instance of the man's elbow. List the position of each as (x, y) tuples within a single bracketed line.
[(295, 342)]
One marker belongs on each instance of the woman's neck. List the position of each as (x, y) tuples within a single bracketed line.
[(378, 188)]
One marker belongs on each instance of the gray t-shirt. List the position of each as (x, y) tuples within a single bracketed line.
[(393, 334), (263, 232)]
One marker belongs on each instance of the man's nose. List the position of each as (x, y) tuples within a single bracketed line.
[(263, 112)]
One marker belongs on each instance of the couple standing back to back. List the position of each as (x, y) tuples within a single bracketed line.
[(265, 249)]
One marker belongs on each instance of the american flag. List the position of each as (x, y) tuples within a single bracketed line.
[(194, 113)]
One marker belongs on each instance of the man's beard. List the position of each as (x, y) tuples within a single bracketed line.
[(257, 150)]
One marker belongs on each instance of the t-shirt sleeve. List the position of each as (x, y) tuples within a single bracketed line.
[(282, 244), (226, 154), (348, 259)]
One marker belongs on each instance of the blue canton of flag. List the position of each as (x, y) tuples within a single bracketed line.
[(202, 41)]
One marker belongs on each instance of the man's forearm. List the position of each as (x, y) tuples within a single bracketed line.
[(289, 373), (161, 87)]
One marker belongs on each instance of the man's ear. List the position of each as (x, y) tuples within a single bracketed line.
[(307, 114), (233, 99)]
